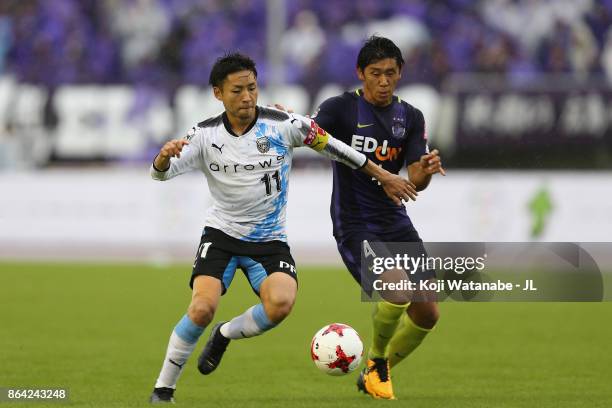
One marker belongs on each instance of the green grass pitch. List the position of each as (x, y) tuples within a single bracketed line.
[(101, 330)]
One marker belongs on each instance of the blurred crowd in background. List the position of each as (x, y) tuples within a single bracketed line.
[(168, 43), (523, 115)]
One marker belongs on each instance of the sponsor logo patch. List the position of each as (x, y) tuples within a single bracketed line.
[(191, 133)]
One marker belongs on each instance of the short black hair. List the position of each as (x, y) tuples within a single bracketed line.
[(228, 64), (376, 49)]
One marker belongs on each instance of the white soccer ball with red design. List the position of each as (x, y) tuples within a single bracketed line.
[(336, 349)]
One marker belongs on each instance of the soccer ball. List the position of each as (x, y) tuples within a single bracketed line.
[(336, 349)]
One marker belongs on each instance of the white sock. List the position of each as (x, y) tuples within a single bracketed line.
[(176, 356), (182, 342), (251, 323)]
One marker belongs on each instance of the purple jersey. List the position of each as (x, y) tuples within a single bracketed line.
[(393, 137)]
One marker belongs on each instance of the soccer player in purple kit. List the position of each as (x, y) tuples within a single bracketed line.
[(392, 134)]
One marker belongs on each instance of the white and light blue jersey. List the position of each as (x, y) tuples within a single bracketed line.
[(248, 175)]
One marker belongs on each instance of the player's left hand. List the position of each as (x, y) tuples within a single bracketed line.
[(431, 163)]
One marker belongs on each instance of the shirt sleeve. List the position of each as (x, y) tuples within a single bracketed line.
[(192, 158), (327, 116), (303, 131), (416, 141)]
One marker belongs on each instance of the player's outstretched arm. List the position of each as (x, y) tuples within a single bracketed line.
[(396, 187), (305, 132), (171, 149), (186, 158), (420, 172)]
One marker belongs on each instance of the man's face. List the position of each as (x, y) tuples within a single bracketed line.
[(238, 92), (379, 81)]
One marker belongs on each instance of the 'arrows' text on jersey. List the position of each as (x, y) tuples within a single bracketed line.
[(235, 168)]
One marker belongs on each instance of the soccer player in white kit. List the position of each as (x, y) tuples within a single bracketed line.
[(245, 154)]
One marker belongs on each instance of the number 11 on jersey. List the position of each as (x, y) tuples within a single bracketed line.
[(266, 180)]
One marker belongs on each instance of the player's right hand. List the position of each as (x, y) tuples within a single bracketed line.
[(173, 148), (282, 108), (398, 188)]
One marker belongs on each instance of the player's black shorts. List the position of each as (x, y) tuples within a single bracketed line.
[(351, 248), (219, 255)]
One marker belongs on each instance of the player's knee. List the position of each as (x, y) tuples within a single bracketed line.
[(201, 312), (279, 306), (432, 316), (396, 297), (426, 316)]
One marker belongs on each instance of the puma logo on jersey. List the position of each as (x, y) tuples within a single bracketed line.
[(219, 148)]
